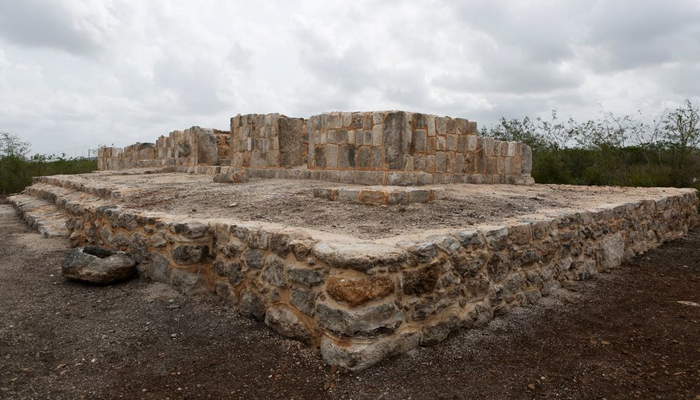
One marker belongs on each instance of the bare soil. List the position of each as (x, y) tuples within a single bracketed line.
[(291, 203), (623, 335)]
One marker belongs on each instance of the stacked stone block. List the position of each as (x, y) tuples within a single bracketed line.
[(193, 146), (372, 148), (362, 301), (267, 141), (426, 148)]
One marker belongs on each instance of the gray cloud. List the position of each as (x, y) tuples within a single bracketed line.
[(35, 23), (77, 72)]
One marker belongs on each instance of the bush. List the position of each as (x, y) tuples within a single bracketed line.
[(616, 151)]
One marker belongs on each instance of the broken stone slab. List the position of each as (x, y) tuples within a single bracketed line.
[(366, 322), (236, 176), (98, 266), (361, 355)]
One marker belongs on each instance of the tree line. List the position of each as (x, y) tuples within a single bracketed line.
[(17, 168)]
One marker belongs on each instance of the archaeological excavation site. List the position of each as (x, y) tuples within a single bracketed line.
[(364, 234)]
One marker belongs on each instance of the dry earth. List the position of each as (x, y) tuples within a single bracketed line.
[(623, 335), (291, 203)]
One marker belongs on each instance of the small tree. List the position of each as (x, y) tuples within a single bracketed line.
[(681, 136), (12, 146)]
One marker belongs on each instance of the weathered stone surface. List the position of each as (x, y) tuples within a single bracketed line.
[(498, 267), (304, 300), (470, 237), (157, 240), (301, 248), (138, 248), (394, 130), (190, 254), (84, 267), (358, 291), (127, 221), (119, 241), (254, 258), (367, 322), (274, 271), (476, 287), (283, 321), (526, 159), (185, 281), (422, 280), (479, 315), (437, 331), (470, 263), (446, 243), (358, 256), (290, 141), (279, 244), (306, 277), (160, 271), (234, 272), (252, 305), (207, 152), (497, 237), (424, 307), (520, 234), (612, 250), (191, 230), (359, 356), (424, 252)]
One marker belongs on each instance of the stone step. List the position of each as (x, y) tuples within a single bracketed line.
[(79, 184), (41, 214), (59, 195)]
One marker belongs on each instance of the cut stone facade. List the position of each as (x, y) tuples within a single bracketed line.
[(372, 148), (193, 146)]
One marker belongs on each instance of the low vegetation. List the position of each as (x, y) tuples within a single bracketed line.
[(17, 168), (617, 151)]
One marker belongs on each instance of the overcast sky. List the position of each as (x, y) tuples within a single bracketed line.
[(78, 73)]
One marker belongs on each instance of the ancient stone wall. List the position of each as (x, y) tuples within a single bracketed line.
[(193, 146), (362, 301), (412, 148), (267, 141), (373, 148)]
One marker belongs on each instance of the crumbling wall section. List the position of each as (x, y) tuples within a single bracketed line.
[(193, 146), (426, 148), (267, 141)]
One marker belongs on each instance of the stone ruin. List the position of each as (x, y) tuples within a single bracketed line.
[(368, 148), (359, 300)]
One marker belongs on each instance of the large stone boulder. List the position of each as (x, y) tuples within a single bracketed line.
[(98, 266)]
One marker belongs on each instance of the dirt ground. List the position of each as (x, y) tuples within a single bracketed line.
[(622, 335), (291, 203)]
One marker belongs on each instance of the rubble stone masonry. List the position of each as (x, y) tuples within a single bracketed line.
[(361, 301)]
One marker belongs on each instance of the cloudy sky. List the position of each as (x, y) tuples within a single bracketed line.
[(78, 73)]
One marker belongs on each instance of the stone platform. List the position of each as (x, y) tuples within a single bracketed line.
[(360, 295)]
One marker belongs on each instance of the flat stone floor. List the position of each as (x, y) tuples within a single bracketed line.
[(292, 203)]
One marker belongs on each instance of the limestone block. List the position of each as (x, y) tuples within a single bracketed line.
[(358, 356), (365, 322), (285, 322), (358, 291), (422, 280), (359, 256)]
